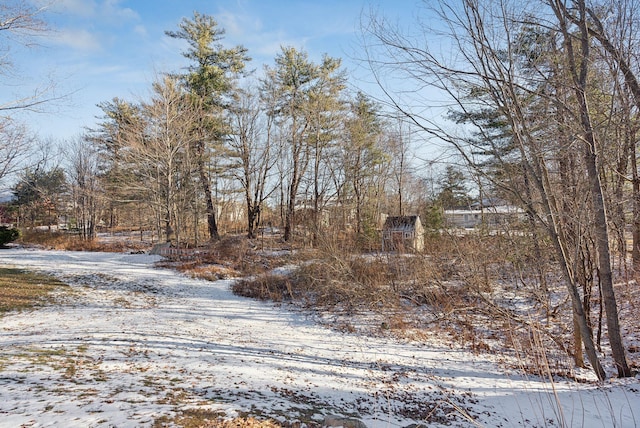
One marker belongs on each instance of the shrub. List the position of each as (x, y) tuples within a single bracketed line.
[(8, 234), (265, 287)]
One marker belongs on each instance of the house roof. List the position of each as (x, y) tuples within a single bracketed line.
[(501, 209)]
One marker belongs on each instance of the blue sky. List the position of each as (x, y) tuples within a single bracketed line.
[(101, 49)]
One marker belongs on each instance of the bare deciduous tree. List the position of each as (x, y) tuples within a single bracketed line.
[(251, 144), (20, 22), (531, 70), (160, 150), (15, 146), (290, 82), (84, 181), (578, 63)]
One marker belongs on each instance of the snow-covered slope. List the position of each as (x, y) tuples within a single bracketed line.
[(132, 343)]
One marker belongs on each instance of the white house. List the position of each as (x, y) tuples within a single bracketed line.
[(489, 216)]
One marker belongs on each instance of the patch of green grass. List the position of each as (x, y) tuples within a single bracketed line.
[(20, 289)]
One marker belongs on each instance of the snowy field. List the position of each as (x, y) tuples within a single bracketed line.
[(132, 343)]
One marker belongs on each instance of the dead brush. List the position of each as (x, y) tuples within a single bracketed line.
[(212, 272), (244, 256), (350, 282), (272, 287), (497, 286), (52, 240), (231, 249), (445, 300), (70, 242)]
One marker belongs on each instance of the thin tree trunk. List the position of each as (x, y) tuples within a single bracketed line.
[(316, 192), (298, 167), (604, 259), (212, 226), (291, 204), (631, 81), (577, 343), (253, 214), (559, 241), (600, 215), (636, 211)]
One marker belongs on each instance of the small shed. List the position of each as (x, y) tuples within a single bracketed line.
[(403, 233)]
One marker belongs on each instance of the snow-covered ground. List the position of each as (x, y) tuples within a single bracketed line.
[(132, 343)]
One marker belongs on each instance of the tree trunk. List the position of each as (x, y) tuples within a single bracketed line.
[(559, 241), (635, 254), (289, 216), (168, 230), (316, 193), (537, 171), (212, 226), (604, 261), (253, 219), (597, 31), (600, 215), (577, 343)]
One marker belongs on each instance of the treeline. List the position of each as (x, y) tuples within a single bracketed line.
[(215, 149)]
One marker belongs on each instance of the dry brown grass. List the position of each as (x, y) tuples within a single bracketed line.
[(53, 240), (198, 418), (462, 291), (71, 242), (231, 257), (272, 287), (350, 282), (456, 290), (242, 423), (20, 289)]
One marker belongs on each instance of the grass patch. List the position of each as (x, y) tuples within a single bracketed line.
[(199, 418), (57, 240), (20, 289)]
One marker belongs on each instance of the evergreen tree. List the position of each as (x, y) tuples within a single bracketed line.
[(210, 78)]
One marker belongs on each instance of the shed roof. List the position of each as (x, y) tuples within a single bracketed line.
[(401, 222)]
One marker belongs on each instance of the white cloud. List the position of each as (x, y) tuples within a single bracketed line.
[(77, 39), (249, 31), (91, 22), (140, 30), (84, 8), (271, 44), (111, 9), (237, 25), (103, 69)]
